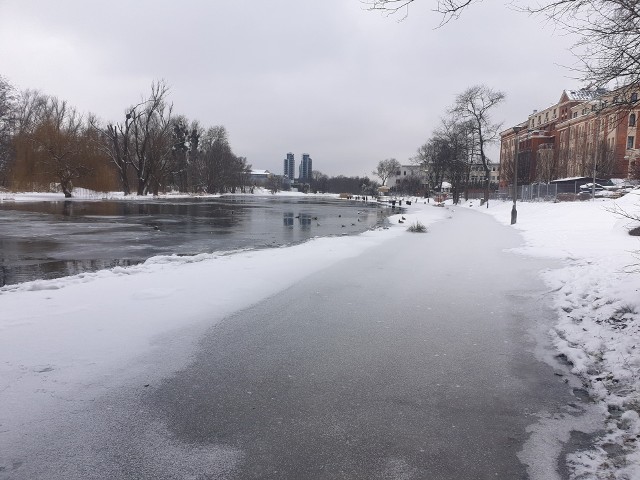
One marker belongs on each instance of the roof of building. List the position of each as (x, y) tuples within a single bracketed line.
[(260, 172), (575, 179), (583, 95)]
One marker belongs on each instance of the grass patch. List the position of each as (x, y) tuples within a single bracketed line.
[(417, 228)]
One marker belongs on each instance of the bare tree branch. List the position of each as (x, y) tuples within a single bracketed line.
[(449, 9)]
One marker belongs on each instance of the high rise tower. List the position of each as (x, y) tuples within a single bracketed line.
[(306, 168), (290, 166)]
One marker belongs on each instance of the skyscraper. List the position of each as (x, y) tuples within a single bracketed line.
[(289, 166), (305, 168)]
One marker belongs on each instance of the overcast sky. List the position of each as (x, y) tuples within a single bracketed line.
[(325, 77)]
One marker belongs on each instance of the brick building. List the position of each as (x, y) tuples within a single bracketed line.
[(566, 139)]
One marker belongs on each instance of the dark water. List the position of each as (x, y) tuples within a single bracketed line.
[(43, 240)]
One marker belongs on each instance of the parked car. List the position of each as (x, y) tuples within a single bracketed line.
[(588, 187)]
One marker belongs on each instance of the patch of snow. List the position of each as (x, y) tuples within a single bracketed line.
[(597, 297)]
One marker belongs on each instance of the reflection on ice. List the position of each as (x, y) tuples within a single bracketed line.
[(43, 240)]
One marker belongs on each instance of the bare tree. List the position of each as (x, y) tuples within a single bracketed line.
[(545, 165), (474, 106), (432, 157), (386, 168), (608, 32), (7, 124), (448, 155), (151, 139), (458, 138), (184, 151), (141, 146), (319, 181), (605, 159), (115, 142), (274, 183), (58, 143), (126, 143), (218, 169)]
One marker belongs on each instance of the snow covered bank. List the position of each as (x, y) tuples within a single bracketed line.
[(597, 296), (64, 341), (81, 194)]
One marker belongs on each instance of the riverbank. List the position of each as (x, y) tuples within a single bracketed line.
[(65, 341), (81, 194)]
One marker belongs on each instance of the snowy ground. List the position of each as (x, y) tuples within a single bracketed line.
[(82, 194), (70, 337), (597, 297)]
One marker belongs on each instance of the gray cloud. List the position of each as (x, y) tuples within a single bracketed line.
[(348, 86)]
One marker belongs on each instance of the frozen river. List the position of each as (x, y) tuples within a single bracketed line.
[(42, 240)]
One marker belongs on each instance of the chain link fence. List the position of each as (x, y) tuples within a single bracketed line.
[(526, 193), (536, 192)]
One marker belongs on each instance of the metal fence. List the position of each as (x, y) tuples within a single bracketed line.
[(536, 192), (526, 193)]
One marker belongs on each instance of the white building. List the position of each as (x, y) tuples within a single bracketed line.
[(408, 174), (259, 177)]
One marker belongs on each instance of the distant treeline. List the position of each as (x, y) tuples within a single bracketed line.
[(45, 144), (341, 184)]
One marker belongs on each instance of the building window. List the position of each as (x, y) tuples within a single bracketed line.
[(630, 141), (634, 97), (632, 120), (575, 114)]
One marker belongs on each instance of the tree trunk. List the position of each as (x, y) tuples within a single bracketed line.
[(66, 188)]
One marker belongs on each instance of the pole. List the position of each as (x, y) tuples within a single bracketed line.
[(595, 158), (514, 211)]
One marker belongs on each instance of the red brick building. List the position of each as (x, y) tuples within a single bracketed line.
[(585, 127)]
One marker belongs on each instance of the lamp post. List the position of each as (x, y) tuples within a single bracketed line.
[(514, 212), (595, 160), (596, 153)]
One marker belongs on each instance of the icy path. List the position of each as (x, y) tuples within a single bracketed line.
[(411, 359)]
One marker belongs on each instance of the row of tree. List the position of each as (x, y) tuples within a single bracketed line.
[(607, 49), (44, 141), (341, 184), (457, 148)]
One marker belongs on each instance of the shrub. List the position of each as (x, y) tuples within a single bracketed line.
[(417, 228)]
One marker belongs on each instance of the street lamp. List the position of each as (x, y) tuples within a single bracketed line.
[(598, 109), (514, 212)]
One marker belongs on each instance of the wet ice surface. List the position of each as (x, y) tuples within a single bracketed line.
[(375, 375), (44, 240)]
